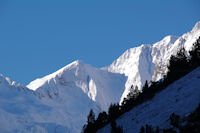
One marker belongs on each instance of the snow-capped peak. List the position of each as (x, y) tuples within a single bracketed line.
[(196, 27), (97, 84), (149, 62), (80, 87), (34, 85)]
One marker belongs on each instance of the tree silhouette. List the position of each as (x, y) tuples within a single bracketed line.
[(195, 53)]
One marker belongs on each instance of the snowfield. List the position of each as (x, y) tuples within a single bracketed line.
[(182, 97)]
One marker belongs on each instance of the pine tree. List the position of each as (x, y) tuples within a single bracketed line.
[(195, 53), (131, 93), (90, 127), (178, 66), (175, 120), (149, 129), (157, 130), (115, 128), (102, 119), (91, 117), (145, 87), (142, 129), (113, 111)]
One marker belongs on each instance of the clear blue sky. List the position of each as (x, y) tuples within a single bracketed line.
[(39, 37)]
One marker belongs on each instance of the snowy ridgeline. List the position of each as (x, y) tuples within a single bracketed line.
[(182, 97), (61, 101), (149, 62)]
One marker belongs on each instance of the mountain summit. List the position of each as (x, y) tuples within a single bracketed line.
[(80, 79)]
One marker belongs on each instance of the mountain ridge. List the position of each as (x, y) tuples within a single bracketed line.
[(153, 60)]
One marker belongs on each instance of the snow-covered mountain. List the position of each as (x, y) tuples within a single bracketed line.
[(182, 97), (149, 62), (60, 102), (77, 88), (22, 111), (78, 80)]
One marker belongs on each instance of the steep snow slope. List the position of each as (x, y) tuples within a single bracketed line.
[(149, 62), (77, 88), (181, 97)]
